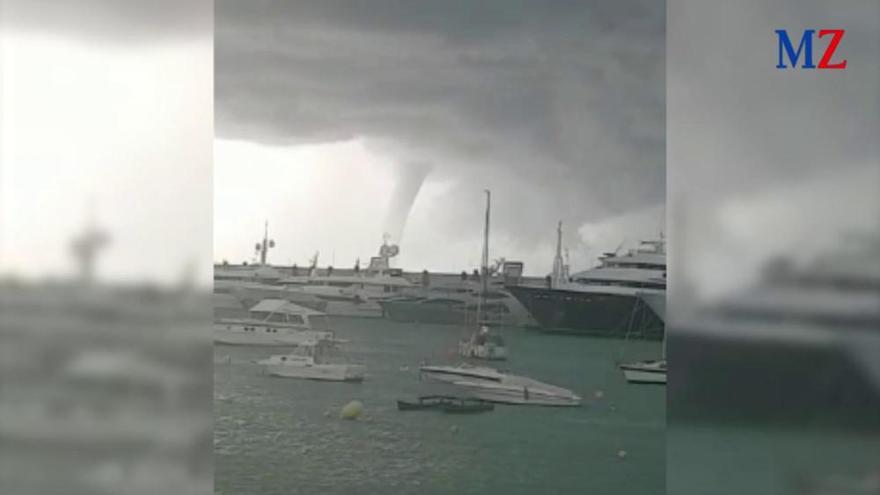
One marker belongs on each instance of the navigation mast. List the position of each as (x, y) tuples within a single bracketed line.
[(559, 275), (264, 246)]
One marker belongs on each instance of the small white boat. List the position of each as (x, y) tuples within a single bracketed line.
[(274, 322), (309, 363), (483, 345), (492, 385), (653, 371)]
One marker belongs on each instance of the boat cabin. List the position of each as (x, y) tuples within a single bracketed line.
[(281, 312)]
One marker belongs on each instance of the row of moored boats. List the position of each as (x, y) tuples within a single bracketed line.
[(293, 312)]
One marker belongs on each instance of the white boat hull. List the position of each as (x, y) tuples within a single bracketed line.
[(324, 372), (448, 374), (645, 372), (237, 335), (638, 376), (519, 395), (491, 385)]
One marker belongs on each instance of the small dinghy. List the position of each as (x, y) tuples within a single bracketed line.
[(447, 404)]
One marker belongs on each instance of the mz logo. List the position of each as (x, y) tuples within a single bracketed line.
[(805, 47)]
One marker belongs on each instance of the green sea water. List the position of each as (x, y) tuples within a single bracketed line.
[(759, 460), (284, 436)]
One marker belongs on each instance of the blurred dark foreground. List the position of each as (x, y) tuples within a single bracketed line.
[(104, 389), (776, 389)]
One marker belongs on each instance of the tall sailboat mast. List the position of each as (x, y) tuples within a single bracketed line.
[(482, 345), (484, 262)]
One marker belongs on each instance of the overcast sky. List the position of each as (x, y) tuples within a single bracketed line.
[(331, 115), (106, 102), (769, 162)]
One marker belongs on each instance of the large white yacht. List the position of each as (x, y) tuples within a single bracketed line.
[(249, 293), (273, 322), (351, 295), (455, 303), (799, 347), (604, 300)]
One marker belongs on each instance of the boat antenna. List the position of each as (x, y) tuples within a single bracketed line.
[(566, 267), (264, 246), (558, 264), (314, 264), (87, 245)]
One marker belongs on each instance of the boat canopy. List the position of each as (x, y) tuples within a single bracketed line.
[(284, 307)]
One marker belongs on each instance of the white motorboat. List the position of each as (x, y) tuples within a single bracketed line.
[(493, 385), (652, 371), (523, 392), (452, 374), (309, 362), (274, 322)]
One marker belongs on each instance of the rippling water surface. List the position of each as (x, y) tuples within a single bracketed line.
[(276, 435)]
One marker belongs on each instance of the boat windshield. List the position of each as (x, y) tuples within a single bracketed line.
[(270, 317)]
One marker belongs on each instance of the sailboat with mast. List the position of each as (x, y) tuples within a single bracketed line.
[(651, 371), (486, 342), (490, 384)]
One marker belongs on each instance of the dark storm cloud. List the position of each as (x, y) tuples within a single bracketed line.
[(766, 162), (737, 123), (558, 106), (110, 20)]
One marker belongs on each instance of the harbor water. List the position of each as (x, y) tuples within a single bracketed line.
[(284, 436)]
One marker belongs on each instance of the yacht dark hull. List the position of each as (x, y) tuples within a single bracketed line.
[(590, 313)]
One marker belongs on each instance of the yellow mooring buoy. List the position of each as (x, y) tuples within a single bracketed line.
[(352, 410)]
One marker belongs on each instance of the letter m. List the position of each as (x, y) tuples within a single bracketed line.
[(785, 48)]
